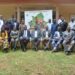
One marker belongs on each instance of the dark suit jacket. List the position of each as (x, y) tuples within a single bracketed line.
[(17, 26), (22, 33), (44, 34), (38, 34)]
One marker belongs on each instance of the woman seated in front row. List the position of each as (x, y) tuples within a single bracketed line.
[(4, 40)]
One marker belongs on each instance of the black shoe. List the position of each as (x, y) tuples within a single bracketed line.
[(5, 50), (67, 52), (54, 50), (23, 50), (45, 48), (36, 48)]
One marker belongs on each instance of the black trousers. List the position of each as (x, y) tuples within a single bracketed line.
[(23, 43), (36, 42), (45, 41)]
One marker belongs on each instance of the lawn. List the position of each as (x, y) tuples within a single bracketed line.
[(36, 63)]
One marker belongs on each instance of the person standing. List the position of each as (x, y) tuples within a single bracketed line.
[(22, 25), (49, 24), (72, 24), (1, 22), (54, 28), (14, 22)]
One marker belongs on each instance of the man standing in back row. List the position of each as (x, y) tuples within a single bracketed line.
[(1, 22)]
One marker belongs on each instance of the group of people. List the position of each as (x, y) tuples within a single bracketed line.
[(54, 36)]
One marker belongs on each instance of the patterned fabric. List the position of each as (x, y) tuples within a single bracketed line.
[(5, 44), (57, 40), (14, 34)]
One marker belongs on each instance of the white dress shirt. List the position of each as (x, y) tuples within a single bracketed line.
[(15, 24), (57, 35), (25, 34), (49, 26), (35, 34), (1, 24), (71, 25), (59, 21), (46, 34)]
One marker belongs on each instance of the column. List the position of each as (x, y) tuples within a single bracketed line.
[(18, 14), (57, 13)]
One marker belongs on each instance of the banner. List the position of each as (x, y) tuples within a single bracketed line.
[(37, 16)]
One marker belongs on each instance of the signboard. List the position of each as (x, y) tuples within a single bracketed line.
[(37, 16)]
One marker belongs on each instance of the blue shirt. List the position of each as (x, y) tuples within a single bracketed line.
[(53, 29)]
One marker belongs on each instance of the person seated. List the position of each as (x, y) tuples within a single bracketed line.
[(14, 38), (57, 40), (36, 36), (68, 40), (5, 40), (7, 26), (24, 38), (46, 38)]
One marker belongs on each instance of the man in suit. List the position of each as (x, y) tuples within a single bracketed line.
[(14, 23), (24, 38), (36, 36), (46, 37)]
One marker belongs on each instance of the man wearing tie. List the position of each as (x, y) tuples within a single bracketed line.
[(24, 38), (36, 35)]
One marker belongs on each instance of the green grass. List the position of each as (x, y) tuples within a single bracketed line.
[(36, 63)]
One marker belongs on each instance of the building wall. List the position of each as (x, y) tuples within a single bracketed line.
[(7, 11), (66, 10)]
